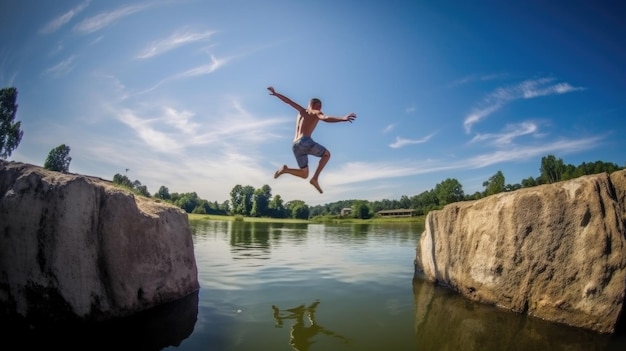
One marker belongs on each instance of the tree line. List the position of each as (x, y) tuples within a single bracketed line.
[(250, 202), (245, 200)]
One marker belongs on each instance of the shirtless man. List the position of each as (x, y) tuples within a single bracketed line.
[(303, 144)]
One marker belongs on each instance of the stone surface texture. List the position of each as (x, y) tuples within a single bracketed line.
[(78, 248), (555, 251)]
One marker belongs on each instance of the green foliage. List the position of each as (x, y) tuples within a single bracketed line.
[(58, 159), (449, 191), (122, 180), (188, 202), (552, 169), (529, 182), (10, 133), (361, 209), (163, 193), (192, 203), (298, 209), (136, 186), (276, 208), (241, 199), (495, 184), (260, 201)]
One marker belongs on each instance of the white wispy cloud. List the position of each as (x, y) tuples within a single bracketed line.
[(236, 123), (474, 78), (563, 146), (400, 142), (209, 68), (58, 22), (172, 131), (410, 109), (179, 38), (180, 120), (511, 132), (105, 19), (389, 128), (152, 137), (62, 68), (528, 89), (356, 172)]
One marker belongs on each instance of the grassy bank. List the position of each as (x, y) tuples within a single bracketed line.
[(325, 219)]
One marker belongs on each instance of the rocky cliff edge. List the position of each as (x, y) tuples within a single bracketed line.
[(555, 251), (75, 247)]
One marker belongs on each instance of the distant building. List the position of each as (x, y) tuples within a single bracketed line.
[(402, 212), (346, 211)]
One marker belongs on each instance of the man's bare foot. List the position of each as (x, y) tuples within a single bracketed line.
[(280, 171), (316, 185)]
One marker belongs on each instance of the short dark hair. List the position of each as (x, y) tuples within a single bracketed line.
[(315, 100)]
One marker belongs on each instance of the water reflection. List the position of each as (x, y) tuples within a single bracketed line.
[(360, 229), (447, 321), (302, 333), (250, 240), (160, 327)]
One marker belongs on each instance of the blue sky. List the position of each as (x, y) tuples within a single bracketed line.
[(175, 91)]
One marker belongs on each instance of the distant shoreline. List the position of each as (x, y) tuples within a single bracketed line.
[(325, 219)]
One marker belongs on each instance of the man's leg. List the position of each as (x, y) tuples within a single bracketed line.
[(298, 172), (323, 161)]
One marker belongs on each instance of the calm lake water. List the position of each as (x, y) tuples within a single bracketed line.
[(270, 286), (273, 286)]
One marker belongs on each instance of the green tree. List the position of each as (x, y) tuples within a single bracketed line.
[(552, 169), (276, 207), (529, 182), (495, 184), (58, 159), (512, 187), (140, 189), (188, 202), (236, 198), (163, 193), (136, 186), (241, 198), (122, 180), (248, 193), (298, 209), (260, 201), (449, 191), (10, 133), (225, 207), (425, 202), (405, 202), (360, 209)]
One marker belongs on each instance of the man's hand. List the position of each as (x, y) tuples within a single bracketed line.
[(271, 89), (350, 117)]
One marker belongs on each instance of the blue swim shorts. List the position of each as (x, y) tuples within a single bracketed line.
[(306, 146)]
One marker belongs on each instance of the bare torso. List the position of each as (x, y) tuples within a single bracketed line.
[(306, 123)]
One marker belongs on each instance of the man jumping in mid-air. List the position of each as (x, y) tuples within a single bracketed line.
[(303, 144)]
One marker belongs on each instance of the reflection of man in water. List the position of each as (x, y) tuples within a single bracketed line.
[(301, 335)]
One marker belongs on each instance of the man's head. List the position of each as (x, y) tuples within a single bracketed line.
[(315, 104)]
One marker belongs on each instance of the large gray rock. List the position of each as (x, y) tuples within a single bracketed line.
[(74, 247), (556, 251)]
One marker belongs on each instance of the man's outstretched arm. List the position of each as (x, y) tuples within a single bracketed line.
[(286, 99), (347, 118)]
